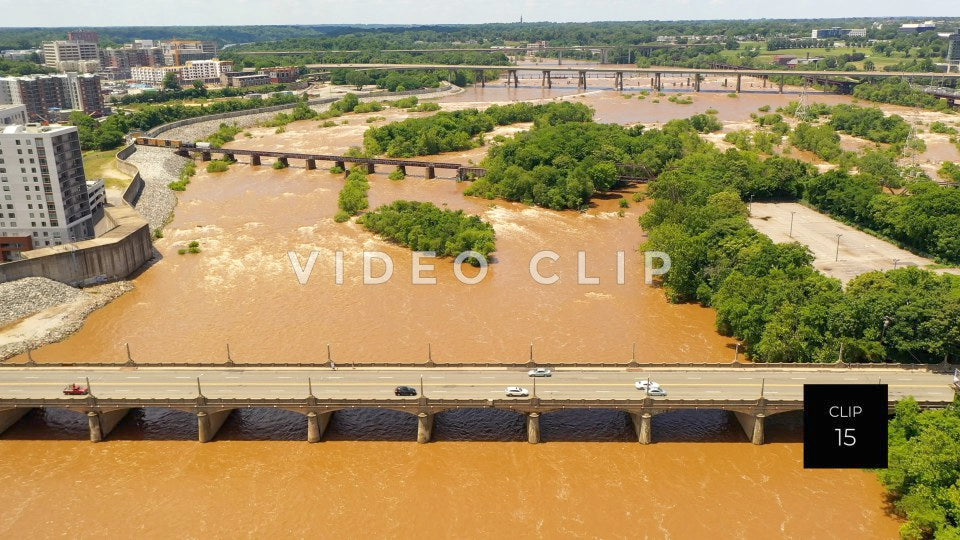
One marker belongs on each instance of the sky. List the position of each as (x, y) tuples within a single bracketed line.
[(78, 13)]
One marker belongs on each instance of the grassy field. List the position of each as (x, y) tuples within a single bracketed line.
[(766, 56), (101, 165)]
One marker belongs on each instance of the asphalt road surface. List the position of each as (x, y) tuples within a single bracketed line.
[(466, 383)]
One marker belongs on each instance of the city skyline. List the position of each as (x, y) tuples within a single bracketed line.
[(45, 13)]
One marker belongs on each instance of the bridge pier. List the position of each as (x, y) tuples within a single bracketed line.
[(430, 173), (533, 428), (255, 159), (317, 425), (546, 80), (479, 77), (780, 84), (424, 427), (738, 82), (342, 166), (618, 80), (285, 161), (402, 169), (581, 80), (696, 82), (311, 164), (371, 168), (101, 424), (643, 425), (657, 82), (9, 417), (512, 77), (229, 157), (752, 425), (205, 156), (208, 424)]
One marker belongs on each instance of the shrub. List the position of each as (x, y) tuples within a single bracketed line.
[(278, 165), (940, 127), (341, 216), (217, 166), (336, 169), (397, 175), (428, 106)]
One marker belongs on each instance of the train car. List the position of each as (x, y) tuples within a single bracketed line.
[(165, 143)]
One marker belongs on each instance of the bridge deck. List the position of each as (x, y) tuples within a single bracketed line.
[(373, 387), (646, 71)]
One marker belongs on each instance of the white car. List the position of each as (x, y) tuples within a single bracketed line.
[(656, 391), (517, 391), (540, 372), (646, 384)]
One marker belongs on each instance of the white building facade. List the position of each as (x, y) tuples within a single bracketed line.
[(43, 189)]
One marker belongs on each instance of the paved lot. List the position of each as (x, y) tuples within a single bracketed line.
[(566, 383), (859, 252)]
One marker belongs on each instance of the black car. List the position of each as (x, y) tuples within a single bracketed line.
[(405, 391)]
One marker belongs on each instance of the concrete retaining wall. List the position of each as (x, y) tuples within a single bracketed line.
[(110, 257), (133, 191)]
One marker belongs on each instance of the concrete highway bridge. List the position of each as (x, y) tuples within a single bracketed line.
[(654, 73), (604, 50), (211, 392), (627, 172)]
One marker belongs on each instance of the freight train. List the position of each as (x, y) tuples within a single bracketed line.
[(169, 143)]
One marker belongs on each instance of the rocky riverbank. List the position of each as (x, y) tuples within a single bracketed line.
[(38, 311)]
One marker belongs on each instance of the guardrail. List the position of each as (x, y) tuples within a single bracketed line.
[(629, 365)]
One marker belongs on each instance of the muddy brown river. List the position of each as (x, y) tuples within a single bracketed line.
[(369, 478)]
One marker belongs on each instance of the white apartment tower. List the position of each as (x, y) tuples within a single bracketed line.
[(43, 190)]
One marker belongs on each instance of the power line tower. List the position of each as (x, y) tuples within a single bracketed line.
[(802, 108)]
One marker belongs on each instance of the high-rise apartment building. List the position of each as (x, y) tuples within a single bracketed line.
[(953, 50), (41, 93), (43, 190)]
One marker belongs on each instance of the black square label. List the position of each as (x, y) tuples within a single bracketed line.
[(844, 426)]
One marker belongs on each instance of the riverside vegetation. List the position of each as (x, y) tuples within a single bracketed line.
[(422, 226)]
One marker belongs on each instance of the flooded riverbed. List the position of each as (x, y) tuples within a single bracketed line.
[(369, 479)]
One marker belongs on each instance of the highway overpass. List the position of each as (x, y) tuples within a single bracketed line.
[(752, 393)]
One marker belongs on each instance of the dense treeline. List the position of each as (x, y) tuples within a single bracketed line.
[(926, 220), (195, 92), (768, 295), (563, 165), (16, 68), (923, 473), (458, 130), (96, 135), (154, 115), (869, 123), (898, 92), (422, 226)]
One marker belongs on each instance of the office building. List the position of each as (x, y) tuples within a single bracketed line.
[(916, 28), (837, 32), (71, 55), (43, 191)]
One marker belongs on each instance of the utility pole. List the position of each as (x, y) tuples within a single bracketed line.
[(838, 247), (791, 223)]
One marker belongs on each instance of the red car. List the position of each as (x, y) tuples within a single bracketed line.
[(76, 390)]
